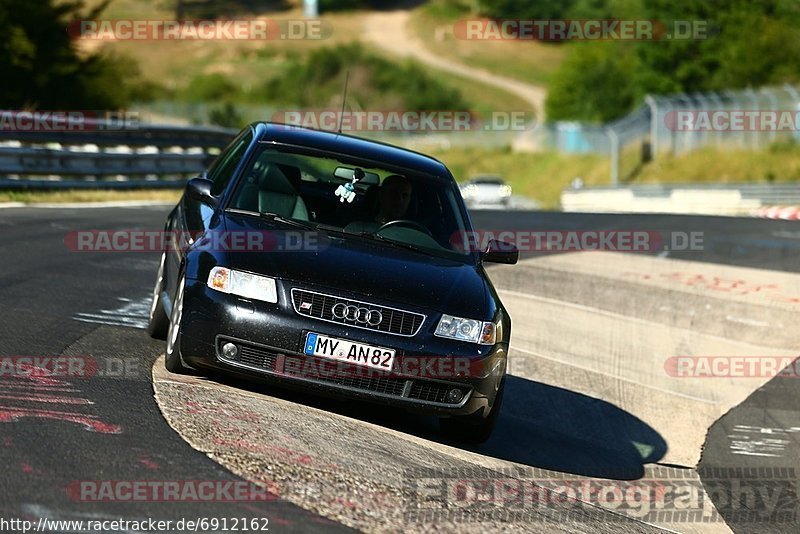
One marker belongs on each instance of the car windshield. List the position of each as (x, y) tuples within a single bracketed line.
[(399, 208)]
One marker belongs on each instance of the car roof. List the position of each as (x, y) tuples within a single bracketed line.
[(357, 147), (487, 179)]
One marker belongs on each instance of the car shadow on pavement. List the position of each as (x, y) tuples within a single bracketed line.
[(557, 429), (540, 426)]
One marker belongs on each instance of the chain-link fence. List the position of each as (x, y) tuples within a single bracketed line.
[(677, 124), (687, 122)]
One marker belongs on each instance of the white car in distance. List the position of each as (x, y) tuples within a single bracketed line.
[(486, 190)]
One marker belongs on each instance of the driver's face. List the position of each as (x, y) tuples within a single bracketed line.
[(395, 197)]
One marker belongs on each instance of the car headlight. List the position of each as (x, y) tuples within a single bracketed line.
[(482, 332), (243, 284)]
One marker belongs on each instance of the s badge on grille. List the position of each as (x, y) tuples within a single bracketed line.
[(305, 306)]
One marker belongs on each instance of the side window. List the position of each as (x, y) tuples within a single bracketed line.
[(221, 171)]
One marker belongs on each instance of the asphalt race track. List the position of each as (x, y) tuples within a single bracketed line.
[(102, 427), (591, 400)]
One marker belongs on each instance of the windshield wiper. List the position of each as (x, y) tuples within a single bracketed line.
[(325, 228), (275, 217), (383, 239), (286, 220)]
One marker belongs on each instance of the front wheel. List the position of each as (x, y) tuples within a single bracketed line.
[(158, 324), (467, 429), (172, 359)]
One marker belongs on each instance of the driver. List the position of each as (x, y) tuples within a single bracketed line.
[(394, 197)]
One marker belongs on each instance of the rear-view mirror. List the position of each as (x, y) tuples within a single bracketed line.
[(347, 173)]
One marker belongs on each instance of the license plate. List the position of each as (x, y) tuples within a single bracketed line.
[(349, 352)]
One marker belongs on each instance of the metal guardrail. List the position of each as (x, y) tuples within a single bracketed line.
[(35, 161), (122, 185), (151, 156), (150, 135)]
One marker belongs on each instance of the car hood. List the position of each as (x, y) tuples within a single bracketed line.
[(363, 267)]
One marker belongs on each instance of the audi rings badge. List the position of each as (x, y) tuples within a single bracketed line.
[(357, 314)]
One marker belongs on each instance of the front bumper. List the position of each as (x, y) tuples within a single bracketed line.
[(271, 337)]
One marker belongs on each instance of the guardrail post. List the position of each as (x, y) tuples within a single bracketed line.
[(755, 105), (653, 105), (614, 142), (773, 106)]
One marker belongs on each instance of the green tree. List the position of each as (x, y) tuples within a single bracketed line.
[(595, 83), (526, 9), (41, 66), (748, 43)]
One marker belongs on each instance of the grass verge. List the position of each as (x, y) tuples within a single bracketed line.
[(542, 176), (81, 195)]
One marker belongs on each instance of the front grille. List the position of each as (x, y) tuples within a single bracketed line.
[(379, 384), (320, 306), (353, 377), (430, 391), (253, 356)]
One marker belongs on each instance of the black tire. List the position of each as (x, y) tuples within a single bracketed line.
[(468, 429), (158, 324), (172, 356)]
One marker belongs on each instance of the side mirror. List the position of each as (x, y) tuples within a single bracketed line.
[(200, 189), (500, 252)]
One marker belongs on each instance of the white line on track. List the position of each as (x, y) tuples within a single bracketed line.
[(584, 368), (619, 316), (133, 313), (745, 320)]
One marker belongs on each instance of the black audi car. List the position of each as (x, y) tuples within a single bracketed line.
[(336, 264)]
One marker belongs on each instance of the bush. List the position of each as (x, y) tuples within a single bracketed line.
[(375, 82), (227, 116), (526, 9), (210, 88), (340, 5), (345, 5)]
